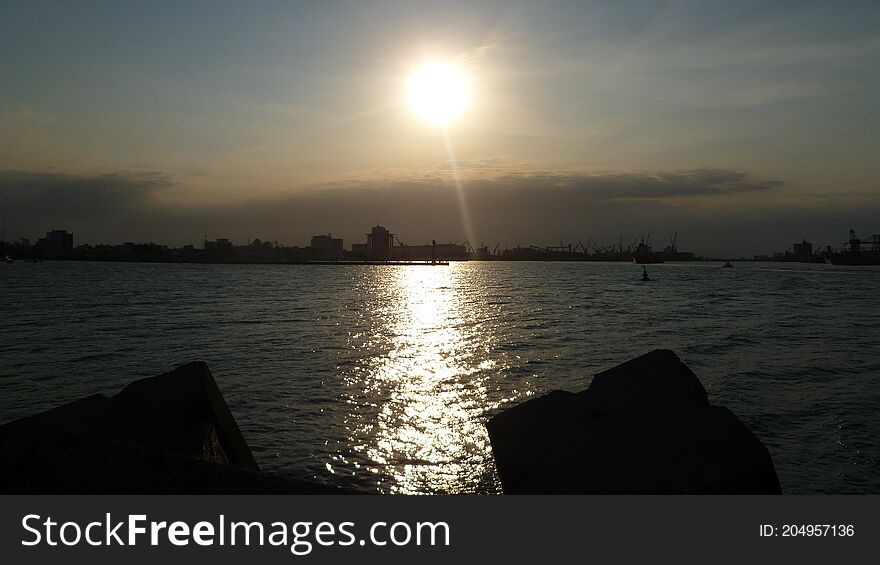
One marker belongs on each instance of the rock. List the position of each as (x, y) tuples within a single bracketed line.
[(66, 463), (656, 381), (172, 433), (182, 412), (643, 427)]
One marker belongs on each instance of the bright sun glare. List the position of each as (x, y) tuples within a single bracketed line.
[(438, 92)]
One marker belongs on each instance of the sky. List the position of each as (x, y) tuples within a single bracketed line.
[(743, 126)]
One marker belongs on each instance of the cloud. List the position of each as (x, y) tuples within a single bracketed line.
[(495, 163), (496, 174), (55, 185), (33, 202), (631, 186), (715, 210)]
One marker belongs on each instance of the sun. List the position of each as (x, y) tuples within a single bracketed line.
[(438, 92)]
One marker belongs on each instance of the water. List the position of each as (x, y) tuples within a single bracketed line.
[(382, 377)]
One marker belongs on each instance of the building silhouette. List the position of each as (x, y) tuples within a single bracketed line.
[(802, 250), (326, 247), (218, 250), (57, 243), (379, 243)]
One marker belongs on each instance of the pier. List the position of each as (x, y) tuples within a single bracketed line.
[(400, 263)]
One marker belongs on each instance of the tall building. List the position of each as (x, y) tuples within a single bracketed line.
[(802, 250), (379, 243), (57, 243), (326, 247), (220, 249)]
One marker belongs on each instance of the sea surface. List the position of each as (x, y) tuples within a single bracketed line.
[(382, 377)]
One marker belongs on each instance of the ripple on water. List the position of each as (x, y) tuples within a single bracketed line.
[(383, 377)]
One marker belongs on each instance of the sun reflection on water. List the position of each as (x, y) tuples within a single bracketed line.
[(416, 406)]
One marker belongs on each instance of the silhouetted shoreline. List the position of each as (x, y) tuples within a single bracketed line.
[(383, 247)]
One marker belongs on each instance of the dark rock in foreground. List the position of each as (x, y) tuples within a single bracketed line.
[(172, 433), (643, 427)]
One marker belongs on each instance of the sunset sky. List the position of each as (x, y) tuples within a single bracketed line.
[(744, 126)]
